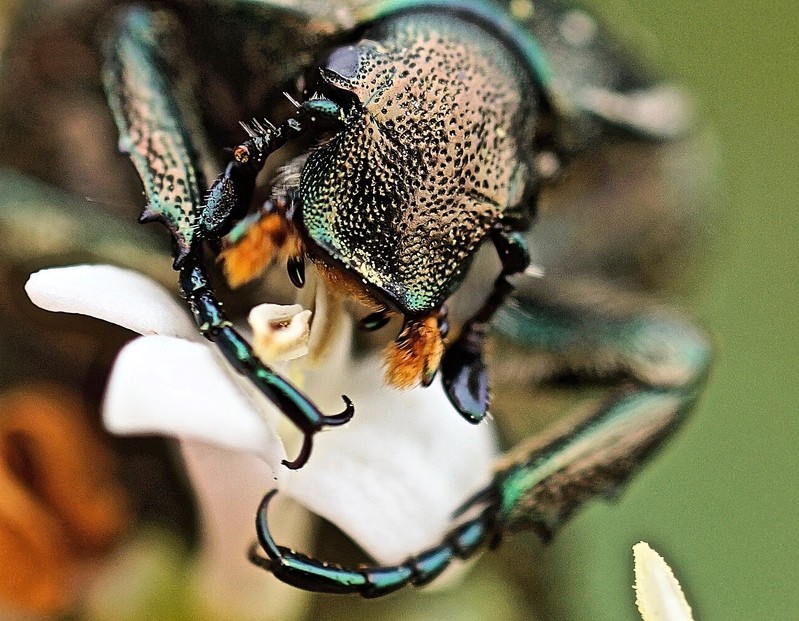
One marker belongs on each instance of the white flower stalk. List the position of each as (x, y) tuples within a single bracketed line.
[(658, 594), (390, 478)]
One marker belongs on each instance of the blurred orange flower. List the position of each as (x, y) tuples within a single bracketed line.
[(60, 503)]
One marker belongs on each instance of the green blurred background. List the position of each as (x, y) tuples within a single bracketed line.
[(722, 502)]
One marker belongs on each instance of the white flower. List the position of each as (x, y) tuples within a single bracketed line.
[(390, 478), (658, 594)]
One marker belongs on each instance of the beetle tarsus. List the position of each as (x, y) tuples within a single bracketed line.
[(311, 574)]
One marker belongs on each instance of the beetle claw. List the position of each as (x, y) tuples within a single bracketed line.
[(344, 417), (295, 267), (258, 560), (325, 421), (305, 453)]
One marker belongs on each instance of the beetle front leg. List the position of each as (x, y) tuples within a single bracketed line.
[(463, 370), (158, 127)]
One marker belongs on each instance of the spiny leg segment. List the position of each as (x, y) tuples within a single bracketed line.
[(160, 132)]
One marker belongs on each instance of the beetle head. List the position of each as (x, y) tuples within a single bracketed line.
[(422, 163)]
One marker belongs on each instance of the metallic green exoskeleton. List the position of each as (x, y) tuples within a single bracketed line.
[(430, 127)]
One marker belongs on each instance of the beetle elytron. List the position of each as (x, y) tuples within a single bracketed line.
[(433, 126)]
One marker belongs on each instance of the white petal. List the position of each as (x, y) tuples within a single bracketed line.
[(658, 594), (229, 486), (113, 294), (392, 477), (164, 385)]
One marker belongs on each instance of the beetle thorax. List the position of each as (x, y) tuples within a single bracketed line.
[(428, 159)]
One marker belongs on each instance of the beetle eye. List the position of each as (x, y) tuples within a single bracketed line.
[(342, 63), (335, 77)]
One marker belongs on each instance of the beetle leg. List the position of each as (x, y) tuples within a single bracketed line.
[(215, 326), (664, 360), (158, 125), (229, 197), (222, 202), (159, 131), (311, 574), (463, 370), (659, 361)]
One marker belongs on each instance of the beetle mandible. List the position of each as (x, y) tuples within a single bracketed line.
[(434, 126)]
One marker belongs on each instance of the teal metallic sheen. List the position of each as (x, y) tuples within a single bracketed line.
[(379, 199)]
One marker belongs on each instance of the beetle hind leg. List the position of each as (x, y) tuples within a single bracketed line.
[(655, 362)]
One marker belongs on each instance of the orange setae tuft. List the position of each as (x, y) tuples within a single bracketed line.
[(414, 357), (266, 239)]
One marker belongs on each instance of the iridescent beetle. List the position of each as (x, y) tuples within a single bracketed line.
[(434, 126)]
